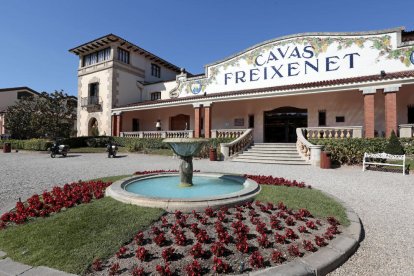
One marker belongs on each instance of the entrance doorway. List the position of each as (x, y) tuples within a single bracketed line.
[(180, 122), (280, 124)]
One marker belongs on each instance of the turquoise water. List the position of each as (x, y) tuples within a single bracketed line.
[(167, 187)]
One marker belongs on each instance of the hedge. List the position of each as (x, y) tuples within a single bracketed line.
[(132, 144), (351, 151), (32, 144)]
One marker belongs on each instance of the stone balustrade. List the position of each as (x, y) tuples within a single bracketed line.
[(406, 130), (307, 150), (227, 133), (237, 146), (159, 134), (333, 132)]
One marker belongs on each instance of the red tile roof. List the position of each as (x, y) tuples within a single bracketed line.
[(378, 77)]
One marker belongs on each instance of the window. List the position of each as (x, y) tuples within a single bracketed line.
[(251, 121), (155, 70), (96, 57), (155, 96), (93, 93), (410, 114), (123, 55), (23, 94), (322, 118), (340, 119), (135, 125)]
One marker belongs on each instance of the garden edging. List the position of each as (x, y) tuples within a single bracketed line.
[(325, 259)]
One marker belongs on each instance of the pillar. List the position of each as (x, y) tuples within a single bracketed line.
[(207, 121), (118, 124), (390, 111), (197, 118), (114, 124), (369, 113)]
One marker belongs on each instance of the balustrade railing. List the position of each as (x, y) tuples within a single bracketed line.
[(406, 130), (159, 134), (238, 145), (227, 133), (333, 132), (306, 149)]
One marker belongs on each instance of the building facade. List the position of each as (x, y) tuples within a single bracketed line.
[(355, 84), (9, 97)]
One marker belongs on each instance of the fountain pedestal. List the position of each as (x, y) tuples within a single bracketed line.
[(186, 148), (186, 171)]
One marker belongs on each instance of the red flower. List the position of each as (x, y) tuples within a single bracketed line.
[(97, 265), (290, 234), (218, 249), (333, 221), (114, 269), (256, 260), (310, 224), (164, 270), (167, 254), (141, 253), (263, 241), (138, 271), (308, 246), (280, 238), (193, 269), (290, 221), (294, 250), (277, 257), (209, 212), (121, 252), (197, 251), (320, 241), (139, 238), (220, 266)]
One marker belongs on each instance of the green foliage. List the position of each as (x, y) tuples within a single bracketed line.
[(351, 151), (32, 144), (394, 146), (72, 239), (46, 115)]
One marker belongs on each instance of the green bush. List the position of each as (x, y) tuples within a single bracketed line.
[(32, 144), (351, 151), (394, 145)]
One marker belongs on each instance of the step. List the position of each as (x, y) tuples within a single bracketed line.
[(271, 162), (273, 151), (248, 153), (278, 158), (281, 144), (274, 146)]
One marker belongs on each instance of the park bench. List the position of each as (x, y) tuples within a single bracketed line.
[(383, 155)]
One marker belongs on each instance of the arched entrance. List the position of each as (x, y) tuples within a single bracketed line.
[(93, 129), (280, 124), (180, 122)]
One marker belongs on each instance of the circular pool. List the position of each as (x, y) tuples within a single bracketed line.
[(163, 191)]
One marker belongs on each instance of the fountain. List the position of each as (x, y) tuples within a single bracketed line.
[(186, 148), (178, 192)]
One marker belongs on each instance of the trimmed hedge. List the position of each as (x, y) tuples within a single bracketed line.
[(351, 151), (32, 144)]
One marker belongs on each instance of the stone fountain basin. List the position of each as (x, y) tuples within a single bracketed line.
[(247, 193)]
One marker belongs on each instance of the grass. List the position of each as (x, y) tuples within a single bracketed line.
[(319, 204), (72, 239)]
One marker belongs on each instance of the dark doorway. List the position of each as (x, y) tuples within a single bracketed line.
[(180, 122), (410, 112), (280, 124)]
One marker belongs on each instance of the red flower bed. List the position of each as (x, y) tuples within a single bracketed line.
[(54, 201), (219, 241)]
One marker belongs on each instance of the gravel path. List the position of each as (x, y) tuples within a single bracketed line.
[(384, 201)]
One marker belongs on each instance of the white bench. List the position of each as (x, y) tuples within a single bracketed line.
[(386, 156)]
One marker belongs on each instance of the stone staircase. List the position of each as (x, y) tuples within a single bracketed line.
[(271, 153)]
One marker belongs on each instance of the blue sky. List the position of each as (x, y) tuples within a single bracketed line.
[(36, 35)]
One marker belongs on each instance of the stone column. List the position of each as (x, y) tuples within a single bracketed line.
[(207, 121), (390, 110), (369, 112), (114, 124), (118, 124), (197, 118)]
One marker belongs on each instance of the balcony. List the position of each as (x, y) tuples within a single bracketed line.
[(91, 102)]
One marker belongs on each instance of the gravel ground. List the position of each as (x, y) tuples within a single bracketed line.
[(384, 201)]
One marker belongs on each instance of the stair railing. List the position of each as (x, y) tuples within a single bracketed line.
[(237, 146), (307, 150)]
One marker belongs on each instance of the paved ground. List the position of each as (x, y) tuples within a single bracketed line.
[(384, 201)]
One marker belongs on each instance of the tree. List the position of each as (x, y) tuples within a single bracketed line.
[(394, 146), (46, 115)]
